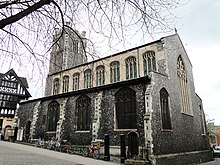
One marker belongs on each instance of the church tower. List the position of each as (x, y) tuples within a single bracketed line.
[(68, 51)]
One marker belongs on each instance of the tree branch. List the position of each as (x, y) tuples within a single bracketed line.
[(24, 13)]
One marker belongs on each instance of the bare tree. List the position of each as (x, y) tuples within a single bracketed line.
[(27, 26)]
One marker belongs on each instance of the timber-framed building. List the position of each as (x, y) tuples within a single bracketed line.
[(13, 89)]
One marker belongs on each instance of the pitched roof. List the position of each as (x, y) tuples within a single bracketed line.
[(21, 80)]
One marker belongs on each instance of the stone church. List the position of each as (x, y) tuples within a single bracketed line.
[(146, 93)]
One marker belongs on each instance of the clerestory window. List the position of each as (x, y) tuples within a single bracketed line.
[(65, 84), (131, 68), (114, 72), (56, 86), (100, 75), (88, 78), (149, 62), (76, 78)]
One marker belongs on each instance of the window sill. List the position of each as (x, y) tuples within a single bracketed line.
[(167, 130), (125, 130), (82, 132), (188, 114), (51, 132)]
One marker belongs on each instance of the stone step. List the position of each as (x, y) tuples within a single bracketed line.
[(136, 162)]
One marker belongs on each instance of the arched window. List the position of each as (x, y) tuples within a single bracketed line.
[(100, 75), (114, 72), (126, 109), (88, 78), (28, 128), (75, 46), (131, 68), (165, 109), (202, 118), (56, 86), (83, 106), (76, 77), (53, 115), (185, 101), (149, 62), (65, 84)]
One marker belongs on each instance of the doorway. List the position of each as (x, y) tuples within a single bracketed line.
[(133, 145)]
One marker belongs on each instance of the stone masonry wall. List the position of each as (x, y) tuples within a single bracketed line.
[(106, 118), (186, 134)]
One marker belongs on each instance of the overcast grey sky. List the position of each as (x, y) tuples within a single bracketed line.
[(199, 30)]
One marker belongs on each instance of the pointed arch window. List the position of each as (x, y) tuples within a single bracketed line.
[(100, 75), (88, 78), (53, 115), (114, 72), (75, 46), (126, 109), (185, 101), (165, 109), (202, 118), (76, 77), (65, 84), (56, 86), (131, 68), (149, 62), (83, 106)]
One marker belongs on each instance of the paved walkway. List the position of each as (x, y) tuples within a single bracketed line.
[(18, 154)]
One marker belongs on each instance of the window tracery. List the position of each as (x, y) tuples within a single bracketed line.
[(114, 72), (56, 86), (53, 115), (126, 109), (83, 106), (65, 84), (76, 78), (131, 68), (88, 78), (165, 109), (100, 75), (149, 62), (185, 101)]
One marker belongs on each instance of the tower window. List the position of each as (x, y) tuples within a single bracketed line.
[(75, 46)]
